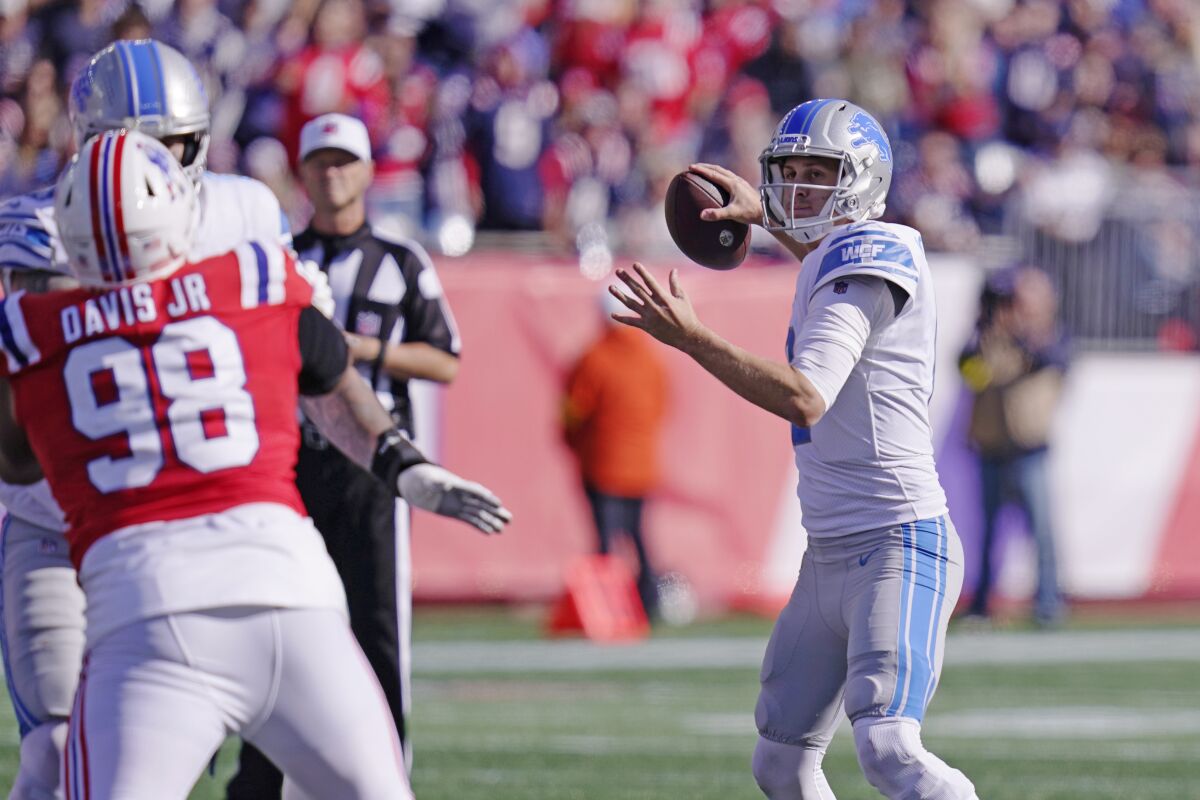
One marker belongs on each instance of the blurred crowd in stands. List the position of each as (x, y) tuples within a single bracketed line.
[(570, 116)]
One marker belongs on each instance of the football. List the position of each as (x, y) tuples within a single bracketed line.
[(716, 245)]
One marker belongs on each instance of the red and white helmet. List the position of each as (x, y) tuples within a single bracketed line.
[(126, 211)]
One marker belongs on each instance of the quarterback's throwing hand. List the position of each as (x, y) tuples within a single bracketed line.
[(439, 490), (667, 316), (744, 204)]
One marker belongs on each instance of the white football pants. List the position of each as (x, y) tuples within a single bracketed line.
[(42, 636), (158, 697)]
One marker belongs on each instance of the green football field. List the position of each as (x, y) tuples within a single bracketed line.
[(1098, 710)]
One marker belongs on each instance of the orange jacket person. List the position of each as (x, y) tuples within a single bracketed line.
[(613, 411)]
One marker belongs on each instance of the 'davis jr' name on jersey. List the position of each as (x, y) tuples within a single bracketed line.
[(132, 304)]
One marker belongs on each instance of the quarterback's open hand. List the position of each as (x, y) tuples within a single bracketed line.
[(667, 316), (439, 490), (744, 203)]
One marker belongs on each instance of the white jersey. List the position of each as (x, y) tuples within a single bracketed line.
[(236, 209), (864, 298), (233, 209)]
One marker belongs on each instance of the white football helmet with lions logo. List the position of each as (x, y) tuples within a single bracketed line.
[(843, 132), (146, 86), (126, 211)]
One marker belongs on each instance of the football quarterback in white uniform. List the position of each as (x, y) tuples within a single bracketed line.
[(151, 87), (865, 627)]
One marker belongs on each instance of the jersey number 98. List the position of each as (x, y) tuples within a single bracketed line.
[(218, 388)]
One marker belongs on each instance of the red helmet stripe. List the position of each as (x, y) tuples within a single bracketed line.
[(123, 267), (94, 192)]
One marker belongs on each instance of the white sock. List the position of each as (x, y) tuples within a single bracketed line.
[(896, 763)]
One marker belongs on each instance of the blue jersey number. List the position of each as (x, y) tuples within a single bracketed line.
[(799, 435)]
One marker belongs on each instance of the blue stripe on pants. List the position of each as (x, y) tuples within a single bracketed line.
[(942, 531), (922, 594), (905, 627)]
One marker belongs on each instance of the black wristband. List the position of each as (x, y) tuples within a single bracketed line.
[(394, 453)]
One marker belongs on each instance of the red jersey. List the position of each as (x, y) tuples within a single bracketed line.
[(166, 399)]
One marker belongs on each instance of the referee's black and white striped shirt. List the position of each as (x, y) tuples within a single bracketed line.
[(386, 288)]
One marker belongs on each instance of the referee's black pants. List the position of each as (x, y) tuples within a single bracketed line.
[(357, 516)]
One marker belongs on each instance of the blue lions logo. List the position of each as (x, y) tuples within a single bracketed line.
[(158, 159), (82, 89), (865, 129)]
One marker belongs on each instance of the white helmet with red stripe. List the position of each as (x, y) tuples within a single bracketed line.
[(126, 211)]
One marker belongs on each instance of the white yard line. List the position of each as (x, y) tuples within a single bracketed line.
[(1061, 647), (1154, 729)]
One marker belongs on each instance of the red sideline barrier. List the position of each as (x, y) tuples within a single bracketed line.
[(725, 462), (600, 600)]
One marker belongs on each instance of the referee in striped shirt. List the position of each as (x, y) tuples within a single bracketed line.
[(398, 327)]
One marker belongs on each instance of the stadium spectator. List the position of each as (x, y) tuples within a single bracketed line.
[(133, 24), (1014, 364), (40, 127), (397, 197), (19, 42), (431, 81), (508, 129), (335, 72), (937, 193), (784, 68), (212, 42), (613, 412), (73, 31), (587, 164)]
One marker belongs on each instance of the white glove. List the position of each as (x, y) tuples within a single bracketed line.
[(322, 299), (439, 490)]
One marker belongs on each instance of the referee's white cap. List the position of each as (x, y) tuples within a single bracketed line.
[(336, 131)]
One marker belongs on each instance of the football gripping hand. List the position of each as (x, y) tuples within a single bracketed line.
[(435, 489), (322, 298)]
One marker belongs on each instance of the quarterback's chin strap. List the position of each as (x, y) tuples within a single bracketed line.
[(394, 453)]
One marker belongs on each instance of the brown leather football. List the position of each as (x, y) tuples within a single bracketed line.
[(716, 245)]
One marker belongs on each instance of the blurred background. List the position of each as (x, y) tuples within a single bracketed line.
[(528, 144)]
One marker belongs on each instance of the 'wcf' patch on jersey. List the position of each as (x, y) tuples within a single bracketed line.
[(883, 254)]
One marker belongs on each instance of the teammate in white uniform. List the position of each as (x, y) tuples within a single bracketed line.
[(865, 627), (143, 85)]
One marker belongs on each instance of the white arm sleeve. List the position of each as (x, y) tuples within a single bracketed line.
[(836, 328)]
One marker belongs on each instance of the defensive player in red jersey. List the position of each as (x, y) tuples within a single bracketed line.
[(160, 402)]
